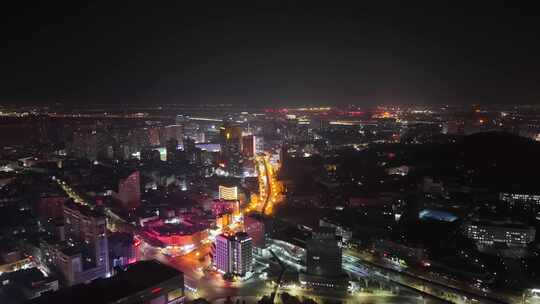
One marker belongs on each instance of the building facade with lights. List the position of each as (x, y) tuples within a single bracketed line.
[(522, 201), (323, 261), (86, 226), (173, 233), (234, 254), (489, 233), (228, 193)]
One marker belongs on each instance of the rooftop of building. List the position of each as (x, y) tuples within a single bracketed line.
[(71, 250), (235, 236), (501, 223), (324, 233), (120, 237), (15, 216), (138, 277), (175, 229), (241, 235), (97, 177), (488, 217), (28, 277), (334, 219), (176, 199), (293, 236)]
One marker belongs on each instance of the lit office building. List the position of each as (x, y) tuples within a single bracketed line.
[(223, 254), (84, 257), (231, 149), (234, 253), (324, 253), (249, 148), (243, 254), (489, 233), (228, 193), (86, 226), (521, 201), (172, 149), (323, 261), (259, 144), (175, 132)]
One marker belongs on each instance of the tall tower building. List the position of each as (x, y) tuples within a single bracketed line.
[(323, 261), (234, 253), (86, 226), (249, 148), (259, 144), (172, 149), (243, 254), (223, 256), (231, 149), (324, 253), (192, 153)]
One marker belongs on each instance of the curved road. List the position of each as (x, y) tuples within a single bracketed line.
[(268, 186)]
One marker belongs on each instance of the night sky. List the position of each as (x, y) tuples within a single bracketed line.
[(280, 53)]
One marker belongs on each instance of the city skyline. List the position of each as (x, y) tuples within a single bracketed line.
[(285, 152), (284, 53)]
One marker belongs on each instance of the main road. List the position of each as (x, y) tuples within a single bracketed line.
[(211, 285)]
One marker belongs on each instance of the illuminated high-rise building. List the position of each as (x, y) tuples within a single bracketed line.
[(86, 226), (259, 144), (84, 143), (191, 152), (223, 255), (153, 136), (323, 261), (234, 253), (172, 149), (228, 193), (324, 253), (249, 148), (243, 254), (231, 149), (174, 132)]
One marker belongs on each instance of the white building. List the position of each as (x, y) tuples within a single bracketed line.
[(519, 200), (228, 193), (223, 257), (486, 233), (234, 254)]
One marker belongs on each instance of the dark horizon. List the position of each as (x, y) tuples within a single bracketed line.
[(284, 54)]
